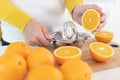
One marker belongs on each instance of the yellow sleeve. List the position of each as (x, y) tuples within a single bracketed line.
[(13, 15), (71, 4)]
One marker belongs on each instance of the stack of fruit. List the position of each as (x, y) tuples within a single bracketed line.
[(20, 62)]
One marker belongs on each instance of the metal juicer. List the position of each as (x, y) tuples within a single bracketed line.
[(69, 36)]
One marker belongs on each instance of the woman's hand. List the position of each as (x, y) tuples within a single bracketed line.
[(79, 10), (36, 34)]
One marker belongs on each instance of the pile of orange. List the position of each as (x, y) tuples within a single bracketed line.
[(21, 62)]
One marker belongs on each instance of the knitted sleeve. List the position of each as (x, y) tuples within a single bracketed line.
[(13, 15), (71, 4)]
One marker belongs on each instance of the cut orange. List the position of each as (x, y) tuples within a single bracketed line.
[(90, 19), (76, 70), (101, 52), (104, 36), (65, 53)]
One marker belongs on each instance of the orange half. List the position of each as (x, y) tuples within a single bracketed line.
[(101, 52), (65, 53), (104, 36), (90, 19)]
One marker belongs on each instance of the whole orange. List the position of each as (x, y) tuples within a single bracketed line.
[(21, 48), (45, 72), (76, 70), (40, 55), (12, 67)]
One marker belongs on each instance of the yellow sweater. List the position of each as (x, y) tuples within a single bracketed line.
[(14, 16)]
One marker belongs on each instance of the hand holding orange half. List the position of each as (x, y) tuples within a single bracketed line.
[(91, 17)]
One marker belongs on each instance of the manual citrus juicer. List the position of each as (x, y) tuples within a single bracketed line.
[(69, 35)]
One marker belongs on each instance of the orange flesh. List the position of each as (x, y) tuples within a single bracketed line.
[(102, 49), (104, 33), (66, 52), (90, 20)]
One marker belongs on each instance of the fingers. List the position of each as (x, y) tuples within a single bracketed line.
[(103, 18), (46, 33), (78, 12), (35, 34), (93, 6), (99, 27), (102, 14), (96, 7), (43, 39), (38, 40), (35, 42), (99, 9)]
